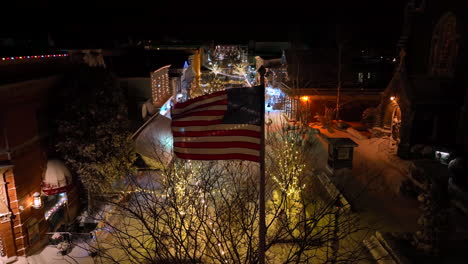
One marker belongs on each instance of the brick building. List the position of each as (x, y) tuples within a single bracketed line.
[(24, 98), (425, 102)]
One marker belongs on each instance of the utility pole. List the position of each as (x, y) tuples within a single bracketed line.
[(338, 88), (261, 198), (335, 243), (340, 41)]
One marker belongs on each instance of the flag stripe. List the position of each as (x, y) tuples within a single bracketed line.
[(218, 139), (232, 144), (201, 103), (212, 133), (216, 151), (212, 110), (201, 117), (200, 98), (195, 123), (217, 105), (218, 127), (232, 156)]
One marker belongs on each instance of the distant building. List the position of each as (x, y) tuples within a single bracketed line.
[(313, 74), (140, 72), (160, 86)]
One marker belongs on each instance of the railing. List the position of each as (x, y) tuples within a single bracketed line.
[(333, 192)]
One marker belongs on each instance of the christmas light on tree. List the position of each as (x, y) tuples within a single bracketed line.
[(290, 168)]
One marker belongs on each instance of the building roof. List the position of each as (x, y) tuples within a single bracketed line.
[(154, 139), (5, 165), (342, 142), (23, 70), (318, 68)]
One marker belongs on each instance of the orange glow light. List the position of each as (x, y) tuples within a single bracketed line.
[(392, 98), (305, 98)]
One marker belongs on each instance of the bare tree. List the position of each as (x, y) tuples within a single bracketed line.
[(207, 212)]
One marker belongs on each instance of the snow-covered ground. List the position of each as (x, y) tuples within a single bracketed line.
[(373, 186), (51, 255)]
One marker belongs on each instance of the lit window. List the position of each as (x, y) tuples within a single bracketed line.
[(368, 75)]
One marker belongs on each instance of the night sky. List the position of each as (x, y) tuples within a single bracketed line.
[(373, 23)]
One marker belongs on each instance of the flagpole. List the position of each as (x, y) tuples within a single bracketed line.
[(261, 196)]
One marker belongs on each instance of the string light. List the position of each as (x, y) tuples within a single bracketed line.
[(63, 200), (289, 171), (229, 67), (34, 57)]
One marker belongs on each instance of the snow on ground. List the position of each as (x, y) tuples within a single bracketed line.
[(376, 177), (51, 255)]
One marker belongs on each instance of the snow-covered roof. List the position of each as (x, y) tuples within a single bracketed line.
[(342, 142), (154, 139)]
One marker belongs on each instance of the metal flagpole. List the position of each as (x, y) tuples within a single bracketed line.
[(261, 198)]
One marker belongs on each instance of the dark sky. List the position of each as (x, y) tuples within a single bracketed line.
[(377, 22)]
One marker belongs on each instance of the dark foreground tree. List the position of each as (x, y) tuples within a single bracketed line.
[(93, 135)]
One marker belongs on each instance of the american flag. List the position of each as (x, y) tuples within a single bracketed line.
[(223, 125)]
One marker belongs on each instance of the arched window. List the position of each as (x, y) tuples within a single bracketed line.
[(444, 47)]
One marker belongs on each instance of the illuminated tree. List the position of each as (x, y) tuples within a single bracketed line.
[(187, 213), (207, 212), (228, 67)]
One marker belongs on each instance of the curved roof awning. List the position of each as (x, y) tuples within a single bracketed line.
[(154, 139), (57, 178)]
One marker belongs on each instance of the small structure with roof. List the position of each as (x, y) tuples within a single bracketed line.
[(340, 153)]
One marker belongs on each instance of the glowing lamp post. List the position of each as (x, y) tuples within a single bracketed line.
[(37, 202), (305, 100)]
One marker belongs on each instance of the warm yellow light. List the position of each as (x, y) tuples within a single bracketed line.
[(37, 201), (392, 98), (305, 98)]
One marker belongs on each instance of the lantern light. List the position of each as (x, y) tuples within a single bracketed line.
[(392, 98), (37, 202), (305, 98)]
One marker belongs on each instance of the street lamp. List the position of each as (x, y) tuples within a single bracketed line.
[(305, 99)]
